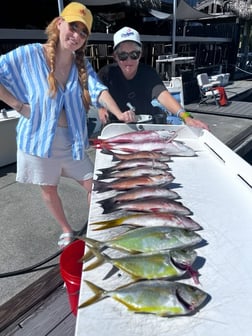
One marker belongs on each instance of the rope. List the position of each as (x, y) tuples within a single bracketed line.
[(37, 267)]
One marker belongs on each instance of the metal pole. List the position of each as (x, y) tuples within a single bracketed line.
[(174, 19), (60, 6)]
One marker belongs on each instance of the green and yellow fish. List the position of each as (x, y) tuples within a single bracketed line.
[(166, 264), (148, 239), (160, 297)]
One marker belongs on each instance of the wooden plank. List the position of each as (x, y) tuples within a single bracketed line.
[(52, 317), (236, 92), (241, 141), (236, 109), (29, 298), (65, 328)]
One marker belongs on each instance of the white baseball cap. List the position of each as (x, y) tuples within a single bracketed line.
[(126, 34)]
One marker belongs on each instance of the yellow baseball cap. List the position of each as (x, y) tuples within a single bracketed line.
[(77, 12)]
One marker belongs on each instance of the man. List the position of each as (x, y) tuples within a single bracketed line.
[(137, 85)]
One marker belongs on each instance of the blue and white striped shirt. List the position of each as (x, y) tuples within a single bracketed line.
[(24, 72)]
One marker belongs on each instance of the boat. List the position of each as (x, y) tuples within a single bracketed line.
[(8, 147)]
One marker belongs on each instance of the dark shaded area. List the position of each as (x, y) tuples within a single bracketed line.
[(28, 14)]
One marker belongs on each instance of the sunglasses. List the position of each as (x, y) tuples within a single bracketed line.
[(134, 55), (75, 29)]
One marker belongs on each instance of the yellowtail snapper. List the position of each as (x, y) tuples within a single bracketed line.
[(150, 219)]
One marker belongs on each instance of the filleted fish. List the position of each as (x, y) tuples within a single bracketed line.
[(150, 219), (148, 239), (150, 204), (167, 264), (160, 297)]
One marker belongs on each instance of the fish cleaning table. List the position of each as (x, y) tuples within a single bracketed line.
[(216, 185)]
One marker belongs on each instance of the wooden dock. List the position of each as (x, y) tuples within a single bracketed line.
[(43, 308), (237, 109), (237, 92)]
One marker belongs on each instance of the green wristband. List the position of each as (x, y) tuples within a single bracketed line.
[(184, 115)]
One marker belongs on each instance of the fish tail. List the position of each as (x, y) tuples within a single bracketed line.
[(107, 151), (110, 199), (108, 205), (105, 170), (99, 294), (87, 256), (89, 241), (114, 157), (96, 142), (108, 224), (104, 173), (105, 146), (102, 176), (100, 186), (100, 260)]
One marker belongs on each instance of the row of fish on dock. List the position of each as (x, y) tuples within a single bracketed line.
[(158, 248)]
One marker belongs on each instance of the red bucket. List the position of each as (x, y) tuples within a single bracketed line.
[(71, 270)]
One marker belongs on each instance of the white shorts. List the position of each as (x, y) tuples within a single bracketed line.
[(47, 171)]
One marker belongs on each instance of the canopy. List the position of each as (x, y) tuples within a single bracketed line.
[(187, 13), (184, 10), (102, 2)]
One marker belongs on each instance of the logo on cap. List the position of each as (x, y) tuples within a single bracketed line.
[(82, 12), (127, 34)]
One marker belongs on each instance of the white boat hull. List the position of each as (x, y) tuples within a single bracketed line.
[(8, 147)]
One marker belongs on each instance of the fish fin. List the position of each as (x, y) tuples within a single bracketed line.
[(114, 158), (109, 199), (89, 241), (108, 205), (105, 170), (87, 256), (106, 146), (105, 173), (108, 224), (99, 294), (95, 142), (100, 186), (106, 151), (102, 176), (100, 260)]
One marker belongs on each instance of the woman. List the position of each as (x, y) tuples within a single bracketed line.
[(130, 81), (51, 86)]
